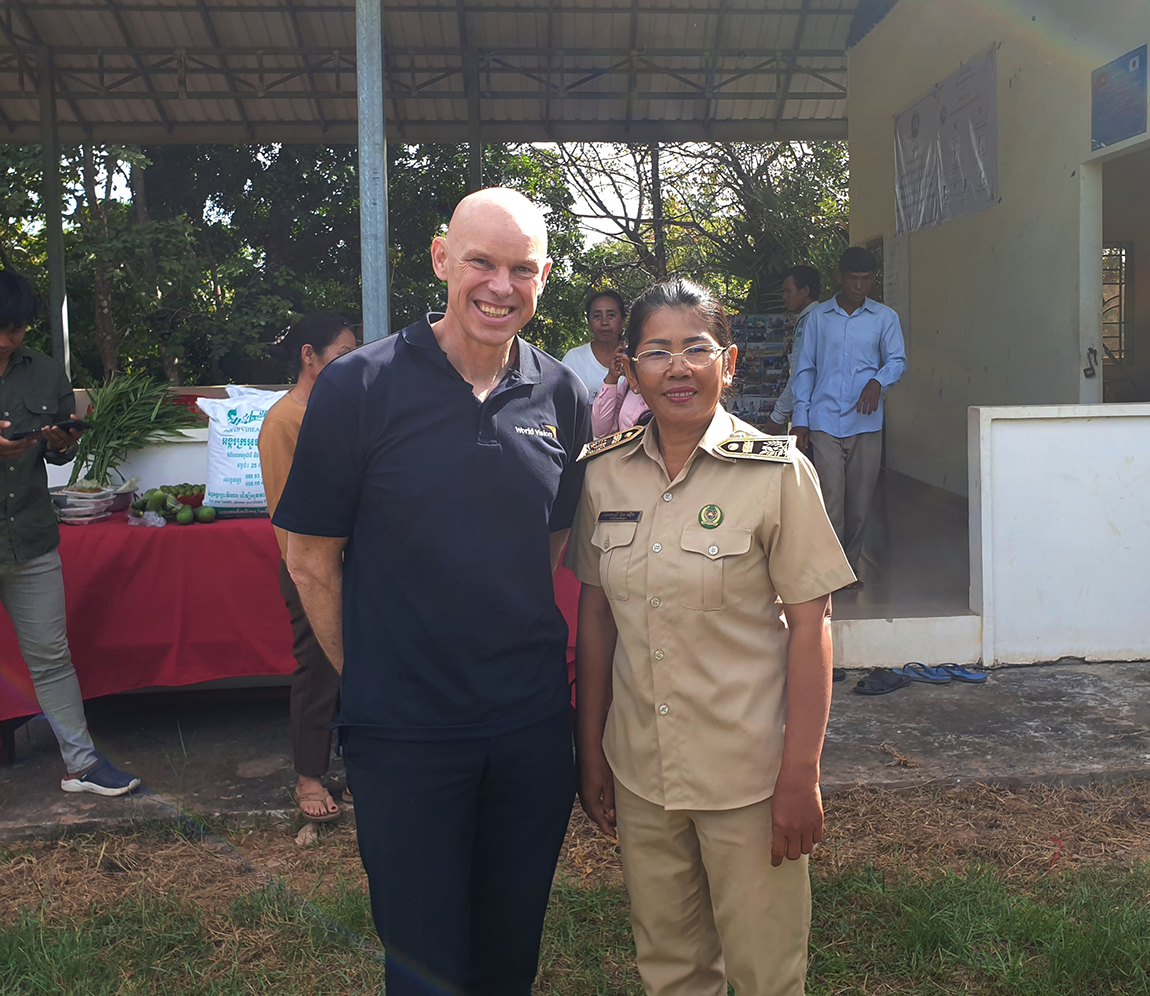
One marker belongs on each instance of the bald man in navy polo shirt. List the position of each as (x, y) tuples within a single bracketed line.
[(433, 486)]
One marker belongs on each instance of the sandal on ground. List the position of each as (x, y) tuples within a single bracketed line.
[(920, 672), (323, 797), (838, 674), (346, 798), (880, 681), (960, 673)]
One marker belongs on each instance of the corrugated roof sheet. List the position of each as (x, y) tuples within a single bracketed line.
[(542, 70)]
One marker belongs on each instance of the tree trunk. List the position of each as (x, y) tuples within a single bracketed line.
[(105, 326), (657, 215), (169, 357)]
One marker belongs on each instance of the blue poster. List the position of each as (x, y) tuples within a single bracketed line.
[(1118, 100)]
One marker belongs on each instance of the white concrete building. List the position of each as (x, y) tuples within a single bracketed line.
[(1009, 358)]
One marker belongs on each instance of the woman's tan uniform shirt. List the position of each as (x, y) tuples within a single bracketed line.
[(699, 674), (277, 441)]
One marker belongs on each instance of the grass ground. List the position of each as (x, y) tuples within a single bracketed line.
[(975, 891)]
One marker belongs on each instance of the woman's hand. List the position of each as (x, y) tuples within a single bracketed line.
[(597, 790), (615, 371), (796, 818)]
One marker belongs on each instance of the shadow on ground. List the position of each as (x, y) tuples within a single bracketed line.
[(228, 753)]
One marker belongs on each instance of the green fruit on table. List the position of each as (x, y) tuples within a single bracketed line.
[(205, 513), (155, 502), (186, 516)]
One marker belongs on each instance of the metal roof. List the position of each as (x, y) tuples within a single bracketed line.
[(136, 71)]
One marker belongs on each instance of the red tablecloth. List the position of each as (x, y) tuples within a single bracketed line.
[(174, 606)]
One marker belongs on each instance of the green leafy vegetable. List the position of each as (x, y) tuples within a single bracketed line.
[(128, 412)]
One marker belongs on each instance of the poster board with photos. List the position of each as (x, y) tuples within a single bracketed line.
[(763, 364)]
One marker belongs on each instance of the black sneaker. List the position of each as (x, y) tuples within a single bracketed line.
[(104, 779)]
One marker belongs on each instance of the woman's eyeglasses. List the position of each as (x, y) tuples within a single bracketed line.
[(660, 360)]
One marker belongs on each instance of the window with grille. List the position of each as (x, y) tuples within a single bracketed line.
[(1115, 262)]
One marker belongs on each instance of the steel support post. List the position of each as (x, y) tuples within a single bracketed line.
[(52, 201), (372, 167), (474, 164)]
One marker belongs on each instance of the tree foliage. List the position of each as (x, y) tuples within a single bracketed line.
[(734, 215), (184, 261)]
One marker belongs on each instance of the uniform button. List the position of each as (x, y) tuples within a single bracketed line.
[(10, 495), (10, 467), (658, 548), (664, 709), (712, 550), (659, 655), (43, 408), (668, 496), (655, 603)]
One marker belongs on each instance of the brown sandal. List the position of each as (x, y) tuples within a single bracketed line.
[(316, 797)]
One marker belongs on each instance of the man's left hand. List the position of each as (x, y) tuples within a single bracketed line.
[(60, 439), (870, 397), (796, 819)]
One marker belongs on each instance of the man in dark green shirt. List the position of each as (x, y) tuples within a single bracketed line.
[(34, 394)]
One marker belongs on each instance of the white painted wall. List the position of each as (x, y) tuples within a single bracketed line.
[(175, 462), (1060, 531), (997, 313)]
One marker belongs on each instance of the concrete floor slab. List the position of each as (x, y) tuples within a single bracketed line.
[(228, 753)]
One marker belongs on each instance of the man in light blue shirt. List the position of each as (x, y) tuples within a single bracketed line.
[(852, 353), (801, 288)]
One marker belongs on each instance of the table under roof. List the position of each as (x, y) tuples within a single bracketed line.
[(143, 71)]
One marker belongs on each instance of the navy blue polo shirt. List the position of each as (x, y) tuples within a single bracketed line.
[(450, 628)]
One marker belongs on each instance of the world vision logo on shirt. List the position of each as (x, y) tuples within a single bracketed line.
[(530, 430)]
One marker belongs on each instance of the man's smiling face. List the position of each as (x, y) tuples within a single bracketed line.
[(494, 260)]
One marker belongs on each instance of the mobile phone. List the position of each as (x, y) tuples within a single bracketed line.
[(71, 423)]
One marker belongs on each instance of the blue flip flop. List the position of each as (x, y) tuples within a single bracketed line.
[(960, 673), (920, 672)]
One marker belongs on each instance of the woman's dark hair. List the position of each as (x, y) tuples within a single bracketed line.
[(614, 295), (318, 330), (18, 304), (677, 293)]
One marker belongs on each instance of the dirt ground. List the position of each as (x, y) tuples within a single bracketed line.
[(1022, 833)]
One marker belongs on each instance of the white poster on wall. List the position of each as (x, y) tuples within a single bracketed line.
[(946, 149)]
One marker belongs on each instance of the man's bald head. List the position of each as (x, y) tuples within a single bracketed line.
[(499, 207), (494, 260)]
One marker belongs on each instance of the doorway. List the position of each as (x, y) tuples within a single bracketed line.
[(1125, 356)]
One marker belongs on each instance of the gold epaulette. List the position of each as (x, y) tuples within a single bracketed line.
[(605, 443), (775, 449)]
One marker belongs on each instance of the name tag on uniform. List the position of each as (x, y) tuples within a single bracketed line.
[(620, 516)]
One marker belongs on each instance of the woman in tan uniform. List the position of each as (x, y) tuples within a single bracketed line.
[(308, 346), (703, 701)]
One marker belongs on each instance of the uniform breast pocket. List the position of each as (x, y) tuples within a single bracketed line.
[(709, 572), (614, 541)]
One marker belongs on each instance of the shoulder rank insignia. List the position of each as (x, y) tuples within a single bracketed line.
[(776, 449), (605, 443)]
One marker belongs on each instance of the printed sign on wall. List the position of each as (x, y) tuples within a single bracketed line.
[(946, 149), (1118, 100)]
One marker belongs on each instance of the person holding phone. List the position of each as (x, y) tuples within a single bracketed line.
[(36, 401)]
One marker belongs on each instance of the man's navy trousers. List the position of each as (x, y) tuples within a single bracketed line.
[(460, 839)]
